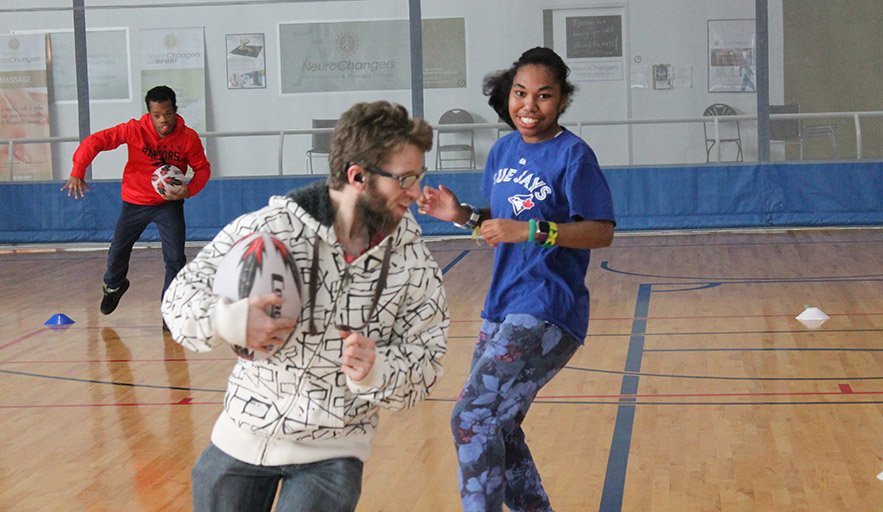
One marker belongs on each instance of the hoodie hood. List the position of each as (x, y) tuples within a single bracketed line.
[(312, 205), (147, 125)]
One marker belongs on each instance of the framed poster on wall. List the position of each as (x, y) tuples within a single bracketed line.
[(663, 77), (107, 60), (24, 107), (176, 57), (371, 55), (594, 47), (246, 61), (732, 47)]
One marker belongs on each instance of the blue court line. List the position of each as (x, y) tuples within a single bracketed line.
[(454, 261), (617, 460)]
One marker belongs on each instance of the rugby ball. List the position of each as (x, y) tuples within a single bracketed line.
[(259, 264), (167, 179)]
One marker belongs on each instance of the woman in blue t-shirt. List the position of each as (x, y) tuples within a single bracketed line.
[(549, 205)]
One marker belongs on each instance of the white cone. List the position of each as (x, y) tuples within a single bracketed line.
[(813, 318)]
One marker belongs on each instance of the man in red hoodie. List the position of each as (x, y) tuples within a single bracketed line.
[(158, 138)]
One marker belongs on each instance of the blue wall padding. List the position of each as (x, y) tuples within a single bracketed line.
[(646, 198)]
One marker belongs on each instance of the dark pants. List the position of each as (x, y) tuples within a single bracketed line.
[(134, 218), (224, 484)]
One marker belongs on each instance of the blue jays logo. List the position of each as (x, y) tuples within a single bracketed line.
[(532, 183), (521, 202)]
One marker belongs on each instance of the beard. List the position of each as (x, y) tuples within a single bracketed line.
[(373, 213)]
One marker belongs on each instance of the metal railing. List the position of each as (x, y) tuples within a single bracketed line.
[(10, 144), (579, 126), (855, 116)]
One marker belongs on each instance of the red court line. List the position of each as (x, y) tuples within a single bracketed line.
[(843, 391), (19, 340), (90, 361), (700, 317), (696, 317), (186, 401)]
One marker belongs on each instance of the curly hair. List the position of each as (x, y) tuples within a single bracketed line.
[(160, 94), (368, 133), (496, 86)]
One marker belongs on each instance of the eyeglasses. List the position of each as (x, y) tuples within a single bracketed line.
[(406, 181)]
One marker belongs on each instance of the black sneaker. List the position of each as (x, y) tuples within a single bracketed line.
[(112, 297)]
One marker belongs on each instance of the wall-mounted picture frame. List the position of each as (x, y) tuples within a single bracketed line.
[(246, 61), (663, 76), (732, 52)]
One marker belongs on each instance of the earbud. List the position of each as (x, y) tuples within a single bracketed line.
[(358, 177)]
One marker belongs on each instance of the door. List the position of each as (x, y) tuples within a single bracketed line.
[(594, 44)]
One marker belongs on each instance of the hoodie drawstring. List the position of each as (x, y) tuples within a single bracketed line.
[(378, 290)]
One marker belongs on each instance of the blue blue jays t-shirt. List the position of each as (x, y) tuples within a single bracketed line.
[(556, 180)]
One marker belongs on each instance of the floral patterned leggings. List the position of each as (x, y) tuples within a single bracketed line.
[(512, 361)]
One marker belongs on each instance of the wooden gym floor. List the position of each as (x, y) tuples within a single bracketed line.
[(697, 389)]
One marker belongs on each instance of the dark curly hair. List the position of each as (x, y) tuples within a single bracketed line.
[(496, 86), (368, 132), (160, 94)]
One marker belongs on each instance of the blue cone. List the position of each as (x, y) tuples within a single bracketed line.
[(58, 319)]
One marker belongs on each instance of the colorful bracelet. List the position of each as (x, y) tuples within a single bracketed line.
[(542, 233), (553, 235), (474, 218)]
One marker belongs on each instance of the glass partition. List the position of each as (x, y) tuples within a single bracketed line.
[(658, 84)]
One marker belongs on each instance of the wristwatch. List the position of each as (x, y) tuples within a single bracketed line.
[(542, 232)]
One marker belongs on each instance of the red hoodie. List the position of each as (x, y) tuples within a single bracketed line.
[(147, 151)]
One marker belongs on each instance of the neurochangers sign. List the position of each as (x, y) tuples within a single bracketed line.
[(176, 58), (368, 55)]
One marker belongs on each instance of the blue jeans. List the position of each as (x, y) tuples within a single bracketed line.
[(513, 360), (133, 220), (224, 484)]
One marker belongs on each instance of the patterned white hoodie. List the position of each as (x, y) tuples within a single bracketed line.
[(298, 406)]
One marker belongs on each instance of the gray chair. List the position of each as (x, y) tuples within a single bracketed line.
[(321, 141), (455, 144), (729, 130), (793, 131)]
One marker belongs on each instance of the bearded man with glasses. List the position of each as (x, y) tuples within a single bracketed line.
[(371, 332)]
